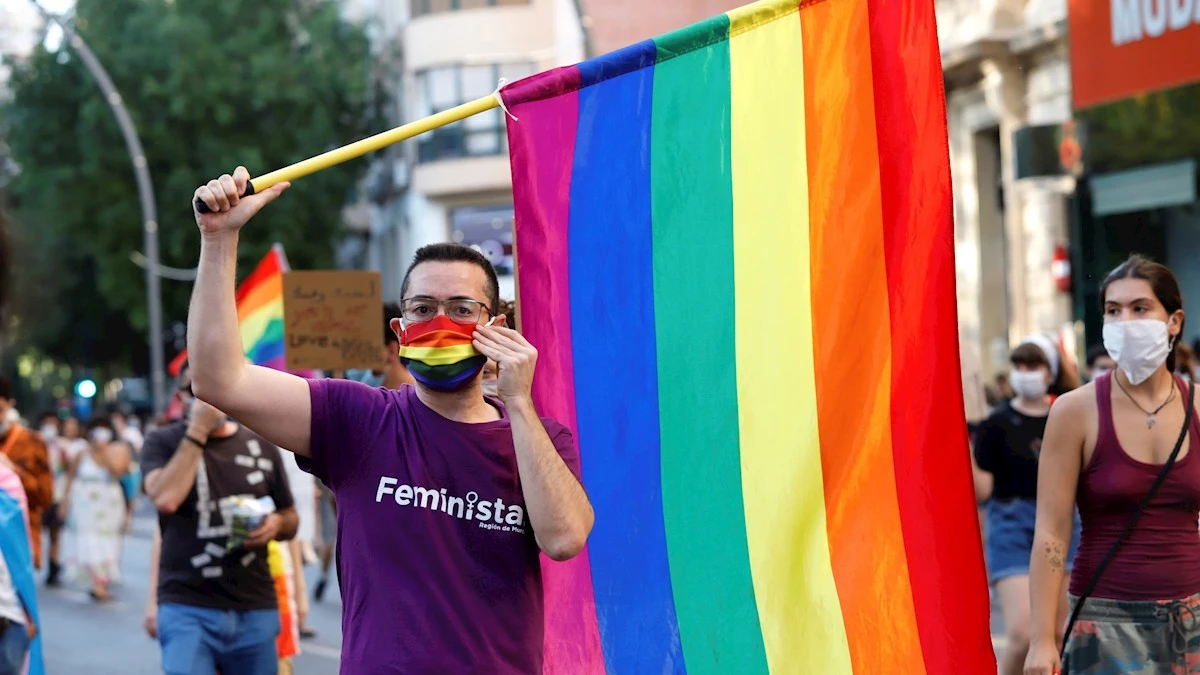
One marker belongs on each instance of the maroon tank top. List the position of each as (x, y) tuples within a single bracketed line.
[(1161, 558)]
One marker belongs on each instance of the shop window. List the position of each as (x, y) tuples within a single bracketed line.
[(440, 89), (423, 7)]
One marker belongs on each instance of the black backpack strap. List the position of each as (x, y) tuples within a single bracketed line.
[(1158, 481)]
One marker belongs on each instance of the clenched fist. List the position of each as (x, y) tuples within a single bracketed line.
[(228, 211)]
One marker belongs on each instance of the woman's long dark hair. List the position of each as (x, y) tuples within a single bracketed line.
[(1162, 281)]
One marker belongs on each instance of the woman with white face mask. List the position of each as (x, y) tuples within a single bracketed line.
[(1006, 464), (94, 508), (1105, 446)]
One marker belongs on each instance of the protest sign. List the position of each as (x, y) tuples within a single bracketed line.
[(332, 320)]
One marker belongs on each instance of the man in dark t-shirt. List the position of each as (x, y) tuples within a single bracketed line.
[(217, 606)]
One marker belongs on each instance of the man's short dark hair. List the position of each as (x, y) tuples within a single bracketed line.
[(391, 311), (47, 415), (6, 390), (449, 252)]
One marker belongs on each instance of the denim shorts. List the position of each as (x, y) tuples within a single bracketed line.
[(14, 646), (1010, 538), (200, 641)]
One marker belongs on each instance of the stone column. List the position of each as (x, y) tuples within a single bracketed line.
[(1004, 89)]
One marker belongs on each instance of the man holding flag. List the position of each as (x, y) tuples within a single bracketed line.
[(470, 488)]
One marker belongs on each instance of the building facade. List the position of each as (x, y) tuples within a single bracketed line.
[(1074, 134), (1007, 69), (1135, 68), (454, 183)]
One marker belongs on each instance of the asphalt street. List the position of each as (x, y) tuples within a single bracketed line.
[(84, 637)]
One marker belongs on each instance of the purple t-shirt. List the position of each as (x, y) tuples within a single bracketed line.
[(437, 562)]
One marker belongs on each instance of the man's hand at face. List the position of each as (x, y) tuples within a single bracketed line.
[(515, 359)]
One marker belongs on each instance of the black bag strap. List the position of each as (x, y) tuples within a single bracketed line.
[(1158, 481)]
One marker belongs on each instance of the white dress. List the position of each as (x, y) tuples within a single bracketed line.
[(95, 522)]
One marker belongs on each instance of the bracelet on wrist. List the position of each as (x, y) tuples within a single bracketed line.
[(196, 441)]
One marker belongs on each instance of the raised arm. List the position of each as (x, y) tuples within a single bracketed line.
[(274, 404), (1058, 475)]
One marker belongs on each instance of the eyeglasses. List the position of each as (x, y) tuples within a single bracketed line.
[(458, 310)]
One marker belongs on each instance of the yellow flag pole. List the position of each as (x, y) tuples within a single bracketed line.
[(366, 145)]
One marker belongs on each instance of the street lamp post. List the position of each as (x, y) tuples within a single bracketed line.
[(145, 195)]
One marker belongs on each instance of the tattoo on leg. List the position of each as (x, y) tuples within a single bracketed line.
[(1055, 555)]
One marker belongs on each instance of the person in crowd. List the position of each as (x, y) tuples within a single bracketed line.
[(27, 451), (1105, 445), (50, 428), (48, 425), (1099, 362), (94, 508), (1006, 453), (326, 537), (471, 488), (150, 614), (1003, 386), (1185, 361), (126, 430), (20, 636), (69, 445), (216, 602), (304, 495), (392, 373), (287, 571), (491, 370)]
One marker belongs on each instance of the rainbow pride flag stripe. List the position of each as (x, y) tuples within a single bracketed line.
[(260, 313), (736, 257), (260, 310)]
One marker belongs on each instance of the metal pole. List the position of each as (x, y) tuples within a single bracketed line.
[(145, 195)]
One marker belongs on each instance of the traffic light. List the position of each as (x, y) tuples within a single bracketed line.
[(85, 388)]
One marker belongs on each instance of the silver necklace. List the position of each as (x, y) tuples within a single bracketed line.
[(1150, 421)]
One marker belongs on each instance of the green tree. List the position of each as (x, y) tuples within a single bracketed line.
[(210, 85)]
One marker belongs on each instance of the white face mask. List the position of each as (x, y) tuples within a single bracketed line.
[(1029, 385), (49, 432), (1139, 347), (101, 435)]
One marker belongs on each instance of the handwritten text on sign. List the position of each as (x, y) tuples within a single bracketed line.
[(332, 320)]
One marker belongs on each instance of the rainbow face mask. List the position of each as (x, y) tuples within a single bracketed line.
[(439, 353)]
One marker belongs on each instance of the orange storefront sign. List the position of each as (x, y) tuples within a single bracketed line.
[(1120, 48)]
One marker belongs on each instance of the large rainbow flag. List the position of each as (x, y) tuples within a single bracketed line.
[(736, 255), (260, 313)]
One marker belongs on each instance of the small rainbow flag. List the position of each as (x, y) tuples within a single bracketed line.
[(260, 313), (735, 250)]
